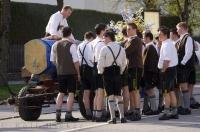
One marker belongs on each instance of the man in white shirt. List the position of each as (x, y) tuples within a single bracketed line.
[(167, 63), (111, 64), (64, 56), (186, 68), (57, 22), (97, 45), (85, 56)]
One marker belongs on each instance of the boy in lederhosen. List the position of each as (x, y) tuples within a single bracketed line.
[(186, 66), (167, 63), (133, 48), (64, 56), (111, 64), (85, 55), (97, 45), (151, 72)]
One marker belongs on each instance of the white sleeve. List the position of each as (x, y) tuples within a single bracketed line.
[(53, 53), (79, 54), (73, 51), (101, 61), (55, 21), (188, 50)]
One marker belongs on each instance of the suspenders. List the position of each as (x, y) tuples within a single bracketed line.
[(82, 54), (115, 58)]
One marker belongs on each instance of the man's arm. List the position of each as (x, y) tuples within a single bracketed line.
[(101, 61), (53, 54), (165, 65), (77, 65)]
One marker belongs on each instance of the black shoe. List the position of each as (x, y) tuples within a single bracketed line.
[(58, 117), (194, 106), (101, 119), (151, 112), (135, 117), (164, 117), (71, 119), (123, 120), (185, 111), (174, 116), (113, 121)]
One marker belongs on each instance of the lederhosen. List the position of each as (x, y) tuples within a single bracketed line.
[(98, 82), (151, 72), (86, 72), (111, 76), (185, 73)]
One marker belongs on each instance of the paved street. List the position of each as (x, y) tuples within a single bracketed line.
[(47, 122)]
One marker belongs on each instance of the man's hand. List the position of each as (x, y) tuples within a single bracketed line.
[(165, 65)]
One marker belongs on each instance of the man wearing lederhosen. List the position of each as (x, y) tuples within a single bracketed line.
[(124, 77), (97, 45), (133, 49), (167, 63), (186, 68), (64, 56), (85, 56), (151, 73), (111, 64)]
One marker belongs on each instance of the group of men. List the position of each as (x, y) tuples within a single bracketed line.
[(119, 70)]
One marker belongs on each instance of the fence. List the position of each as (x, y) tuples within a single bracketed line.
[(15, 59)]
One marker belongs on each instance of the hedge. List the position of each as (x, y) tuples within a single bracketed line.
[(28, 20)]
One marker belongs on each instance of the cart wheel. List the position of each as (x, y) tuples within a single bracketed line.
[(29, 107)]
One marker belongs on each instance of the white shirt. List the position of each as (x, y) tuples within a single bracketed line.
[(106, 58), (88, 53), (168, 52), (188, 49), (73, 51), (97, 45), (55, 20)]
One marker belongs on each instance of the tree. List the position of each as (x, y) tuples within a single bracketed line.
[(4, 39), (59, 4)]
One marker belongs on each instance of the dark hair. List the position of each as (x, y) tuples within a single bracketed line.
[(111, 34), (124, 31), (89, 35), (66, 7), (133, 25), (100, 27), (139, 34), (174, 31), (164, 30), (67, 31), (148, 35)]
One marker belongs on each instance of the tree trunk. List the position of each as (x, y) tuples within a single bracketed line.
[(59, 4), (4, 39)]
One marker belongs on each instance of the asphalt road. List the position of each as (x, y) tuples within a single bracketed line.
[(46, 122)]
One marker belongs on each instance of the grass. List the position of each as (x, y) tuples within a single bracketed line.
[(4, 93), (198, 76)]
